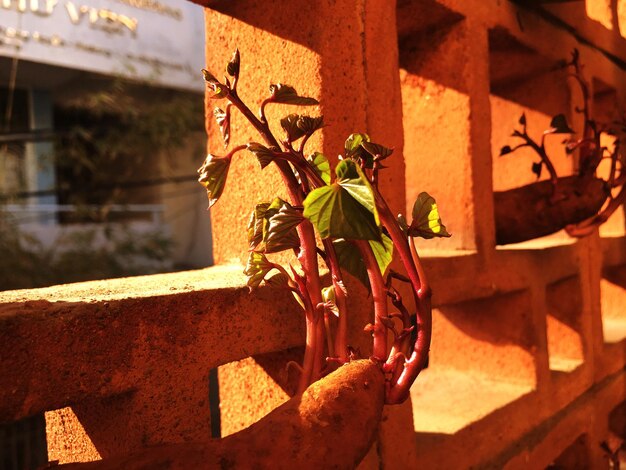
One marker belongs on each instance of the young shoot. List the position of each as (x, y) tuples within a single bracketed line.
[(358, 231)]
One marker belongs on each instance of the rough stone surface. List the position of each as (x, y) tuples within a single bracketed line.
[(529, 339)]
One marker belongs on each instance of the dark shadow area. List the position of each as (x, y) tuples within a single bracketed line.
[(426, 42), (521, 74), (615, 275), (613, 298), (564, 300), (617, 420), (564, 329), (23, 444), (502, 320), (276, 366), (575, 456), (496, 335)]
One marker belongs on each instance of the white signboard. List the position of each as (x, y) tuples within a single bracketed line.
[(156, 40)]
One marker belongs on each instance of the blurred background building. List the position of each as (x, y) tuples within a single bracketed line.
[(101, 130)]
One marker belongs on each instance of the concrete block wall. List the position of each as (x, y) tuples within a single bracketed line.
[(529, 340), (527, 361)]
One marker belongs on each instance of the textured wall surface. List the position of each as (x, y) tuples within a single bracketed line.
[(527, 366), (527, 360)]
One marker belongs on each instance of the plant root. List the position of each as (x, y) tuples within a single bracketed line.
[(332, 424), (530, 211)]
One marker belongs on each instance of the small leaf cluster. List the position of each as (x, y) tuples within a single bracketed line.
[(341, 207), (558, 125)]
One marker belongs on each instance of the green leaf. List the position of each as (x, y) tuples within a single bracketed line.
[(351, 260), (346, 208), (559, 125), (310, 124), (277, 280), (376, 149), (426, 221), (288, 95), (281, 233), (219, 90), (233, 65), (256, 225), (290, 126), (321, 165), (352, 179), (223, 120), (272, 227), (328, 294), (257, 268), (209, 77), (264, 155), (213, 173), (383, 251), (355, 151), (353, 144), (335, 213)]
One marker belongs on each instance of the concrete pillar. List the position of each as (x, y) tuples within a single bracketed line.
[(350, 65)]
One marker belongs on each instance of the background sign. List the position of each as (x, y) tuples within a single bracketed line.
[(156, 40)]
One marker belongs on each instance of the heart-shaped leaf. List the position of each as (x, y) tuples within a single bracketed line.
[(321, 165), (233, 65), (257, 268), (559, 125), (219, 90), (308, 124), (213, 173), (350, 258), (376, 149), (353, 144), (346, 208), (290, 126), (223, 120), (264, 155), (281, 93), (352, 179), (281, 232), (256, 225), (383, 251), (426, 221)]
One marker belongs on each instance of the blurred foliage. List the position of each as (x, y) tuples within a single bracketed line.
[(102, 252), (106, 140), (111, 137)]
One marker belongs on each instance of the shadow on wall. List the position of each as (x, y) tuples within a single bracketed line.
[(613, 299)]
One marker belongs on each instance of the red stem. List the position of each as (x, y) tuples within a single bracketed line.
[(341, 339), (379, 294), (308, 248), (398, 391), (586, 227)]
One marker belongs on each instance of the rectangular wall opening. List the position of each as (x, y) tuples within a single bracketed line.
[(483, 348), (565, 344), (436, 116), (525, 83), (613, 300), (576, 455)]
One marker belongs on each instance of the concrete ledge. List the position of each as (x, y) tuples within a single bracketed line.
[(61, 344)]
